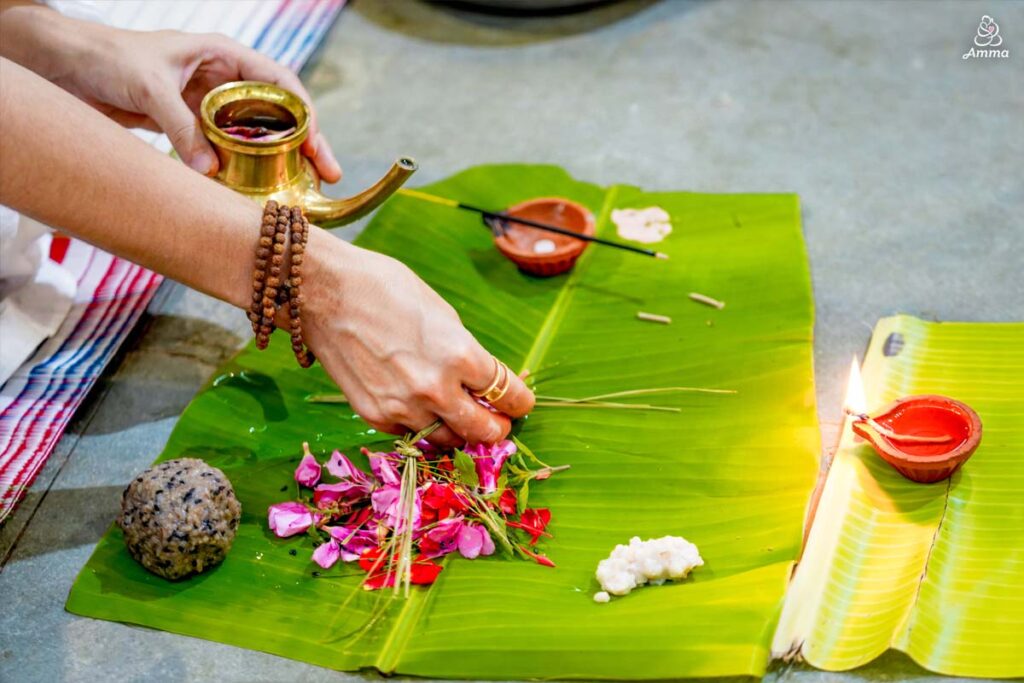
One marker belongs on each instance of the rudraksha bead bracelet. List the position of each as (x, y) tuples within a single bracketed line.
[(272, 284)]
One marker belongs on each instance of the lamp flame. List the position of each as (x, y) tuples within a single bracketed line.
[(855, 401)]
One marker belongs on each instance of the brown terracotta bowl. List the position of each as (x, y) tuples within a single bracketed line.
[(924, 416), (517, 241)]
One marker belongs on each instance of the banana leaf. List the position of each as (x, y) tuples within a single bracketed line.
[(732, 473), (934, 570)]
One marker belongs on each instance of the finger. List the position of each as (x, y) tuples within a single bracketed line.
[(176, 120), (473, 422), (253, 65), (323, 158), (386, 427), (517, 401), (443, 436)]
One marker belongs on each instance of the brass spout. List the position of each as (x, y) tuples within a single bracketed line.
[(327, 212), (271, 165)]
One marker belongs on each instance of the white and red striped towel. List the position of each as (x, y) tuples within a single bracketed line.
[(37, 402)]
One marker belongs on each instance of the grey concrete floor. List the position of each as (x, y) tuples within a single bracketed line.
[(908, 161)]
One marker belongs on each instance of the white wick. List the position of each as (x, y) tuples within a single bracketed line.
[(543, 247)]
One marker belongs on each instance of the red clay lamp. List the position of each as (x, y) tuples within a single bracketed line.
[(926, 438), (545, 253)]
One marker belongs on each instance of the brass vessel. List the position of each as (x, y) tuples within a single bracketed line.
[(276, 169)]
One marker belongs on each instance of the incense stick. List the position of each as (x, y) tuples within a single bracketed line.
[(501, 216), (707, 300), (653, 318)]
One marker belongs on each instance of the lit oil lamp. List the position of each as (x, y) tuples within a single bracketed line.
[(926, 438)]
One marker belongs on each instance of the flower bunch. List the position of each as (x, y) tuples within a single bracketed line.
[(415, 506)]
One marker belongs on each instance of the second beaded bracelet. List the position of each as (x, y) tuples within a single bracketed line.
[(272, 286), (299, 235)]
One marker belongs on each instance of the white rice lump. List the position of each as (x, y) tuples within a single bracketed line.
[(653, 561)]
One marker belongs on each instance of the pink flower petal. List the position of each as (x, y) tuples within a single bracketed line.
[(308, 471), (489, 460), (353, 541), (471, 542), (327, 554), (342, 468), (383, 466), (288, 519), (344, 492), (385, 500), (442, 538), (386, 503), (488, 542)]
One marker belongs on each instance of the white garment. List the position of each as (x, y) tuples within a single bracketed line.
[(36, 293)]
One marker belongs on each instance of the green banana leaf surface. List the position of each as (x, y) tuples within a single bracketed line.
[(935, 570), (731, 472)]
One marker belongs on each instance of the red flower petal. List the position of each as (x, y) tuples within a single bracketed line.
[(444, 501), (507, 502), (378, 581), (359, 517), (540, 559), (533, 522), (424, 572), (371, 560)]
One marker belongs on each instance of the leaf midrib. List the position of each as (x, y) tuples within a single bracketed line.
[(558, 309), (409, 615)]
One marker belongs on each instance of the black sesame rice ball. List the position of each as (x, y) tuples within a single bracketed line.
[(179, 517)]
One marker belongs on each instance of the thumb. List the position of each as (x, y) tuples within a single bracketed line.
[(182, 128)]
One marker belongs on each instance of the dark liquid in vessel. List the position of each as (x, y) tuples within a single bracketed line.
[(255, 114), (260, 121)]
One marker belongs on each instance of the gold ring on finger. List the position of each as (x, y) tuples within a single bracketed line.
[(498, 386), (498, 392)]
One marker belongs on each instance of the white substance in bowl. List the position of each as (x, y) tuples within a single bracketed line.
[(648, 225), (654, 561), (543, 247)]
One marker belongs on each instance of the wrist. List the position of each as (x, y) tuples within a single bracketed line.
[(326, 275), (332, 271), (45, 41)]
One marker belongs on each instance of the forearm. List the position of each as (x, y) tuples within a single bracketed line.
[(68, 166)]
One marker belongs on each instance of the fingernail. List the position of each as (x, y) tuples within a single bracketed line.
[(203, 163)]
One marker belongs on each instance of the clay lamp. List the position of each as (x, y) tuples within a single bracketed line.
[(926, 438), (539, 252)]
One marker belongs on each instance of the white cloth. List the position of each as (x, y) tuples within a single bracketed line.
[(36, 293)]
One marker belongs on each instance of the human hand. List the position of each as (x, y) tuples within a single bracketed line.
[(397, 349), (156, 80)]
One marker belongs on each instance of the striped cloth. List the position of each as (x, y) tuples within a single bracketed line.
[(37, 402)]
